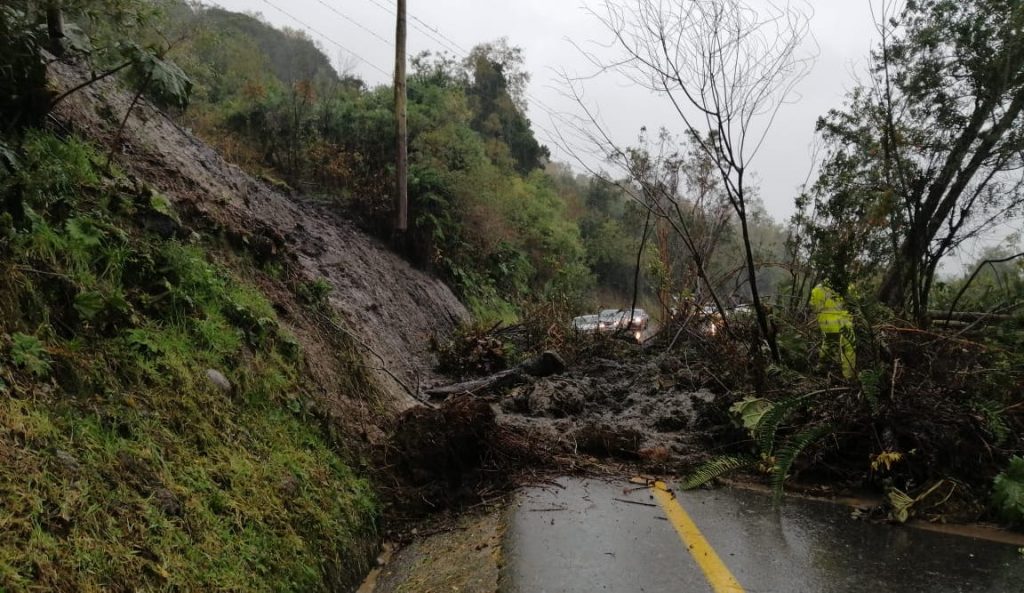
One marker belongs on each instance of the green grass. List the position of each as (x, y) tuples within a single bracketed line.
[(121, 466)]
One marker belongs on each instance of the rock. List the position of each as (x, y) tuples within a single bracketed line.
[(548, 363), (217, 378), (68, 461)]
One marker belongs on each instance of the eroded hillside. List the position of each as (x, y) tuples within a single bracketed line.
[(194, 367), (370, 286)]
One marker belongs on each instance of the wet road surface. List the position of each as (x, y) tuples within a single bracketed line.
[(593, 536)]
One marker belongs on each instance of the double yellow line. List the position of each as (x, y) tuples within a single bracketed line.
[(714, 569)]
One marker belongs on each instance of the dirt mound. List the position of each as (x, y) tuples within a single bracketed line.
[(636, 408), (389, 306)]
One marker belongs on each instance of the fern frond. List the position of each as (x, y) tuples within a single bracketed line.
[(791, 450), (764, 432), (714, 468)]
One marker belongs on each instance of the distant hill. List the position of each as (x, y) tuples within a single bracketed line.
[(290, 54)]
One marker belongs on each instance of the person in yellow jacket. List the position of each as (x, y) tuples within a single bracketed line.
[(836, 326)]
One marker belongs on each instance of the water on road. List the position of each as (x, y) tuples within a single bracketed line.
[(593, 536)]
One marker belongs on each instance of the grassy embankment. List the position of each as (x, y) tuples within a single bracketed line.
[(122, 466)]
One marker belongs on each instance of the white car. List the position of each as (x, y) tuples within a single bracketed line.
[(637, 321), (610, 320), (586, 323)]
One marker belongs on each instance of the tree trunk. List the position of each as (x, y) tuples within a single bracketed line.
[(762, 315)]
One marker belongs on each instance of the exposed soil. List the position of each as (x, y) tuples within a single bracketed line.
[(637, 408), (391, 307), (601, 416)]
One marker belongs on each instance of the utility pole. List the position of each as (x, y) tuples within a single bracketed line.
[(401, 129), (55, 26)]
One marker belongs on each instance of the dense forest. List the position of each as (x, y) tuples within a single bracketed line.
[(116, 313)]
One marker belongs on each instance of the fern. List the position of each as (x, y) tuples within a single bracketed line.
[(1008, 492), (716, 467), (791, 450), (29, 353), (765, 431)]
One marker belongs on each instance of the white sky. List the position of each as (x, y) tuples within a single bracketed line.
[(843, 30)]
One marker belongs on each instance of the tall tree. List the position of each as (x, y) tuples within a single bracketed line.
[(497, 91), (929, 152), (726, 69)]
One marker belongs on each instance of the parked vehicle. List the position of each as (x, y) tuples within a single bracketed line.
[(586, 323), (610, 320), (615, 321), (637, 321)]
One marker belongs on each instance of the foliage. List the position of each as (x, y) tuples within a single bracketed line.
[(791, 449), (164, 82), (763, 420), (315, 293), (482, 213), (129, 468), (28, 353), (473, 351), (926, 155), (716, 468), (22, 73), (101, 32), (1008, 492)]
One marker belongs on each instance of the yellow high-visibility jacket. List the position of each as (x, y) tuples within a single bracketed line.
[(833, 317)]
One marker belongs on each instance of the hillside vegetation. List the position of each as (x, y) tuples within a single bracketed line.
[(124, 464)]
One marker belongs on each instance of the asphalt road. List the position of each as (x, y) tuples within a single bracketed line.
[(593, 536)]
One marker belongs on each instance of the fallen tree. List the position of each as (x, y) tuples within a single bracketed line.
[(546, 364)]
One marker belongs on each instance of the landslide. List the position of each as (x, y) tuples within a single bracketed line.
[(392, 308), (194, 366)]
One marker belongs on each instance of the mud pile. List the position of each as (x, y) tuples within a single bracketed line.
[(634, 408)]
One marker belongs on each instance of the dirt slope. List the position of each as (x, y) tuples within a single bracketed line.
[(392, 307)]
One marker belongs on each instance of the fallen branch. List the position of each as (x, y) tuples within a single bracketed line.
[(989, 262), (627, 501), (548, 363)]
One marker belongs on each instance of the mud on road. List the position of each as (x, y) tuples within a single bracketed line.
[(639, 406)]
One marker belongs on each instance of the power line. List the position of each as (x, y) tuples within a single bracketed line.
[(343, 48), (354, 22), (426, 30), (440, 38), (437, 31)]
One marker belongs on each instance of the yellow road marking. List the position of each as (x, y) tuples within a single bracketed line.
[(715, 571)]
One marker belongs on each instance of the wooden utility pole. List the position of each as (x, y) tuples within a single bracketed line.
[(55, 26), (401, 128)]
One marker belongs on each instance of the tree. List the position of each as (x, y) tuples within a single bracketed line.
[(497, 91), (726, 69), (927, 154)]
